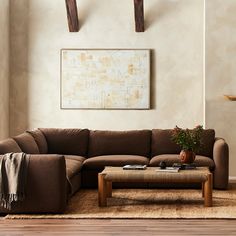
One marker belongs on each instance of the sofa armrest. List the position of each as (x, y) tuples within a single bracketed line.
[(221, 159), (46, 186)]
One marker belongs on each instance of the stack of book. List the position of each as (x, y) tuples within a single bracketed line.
[(169, 169), (176, 167), (185, 166)]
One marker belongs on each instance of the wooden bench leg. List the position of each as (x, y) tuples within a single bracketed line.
[(208, 191), (109, 189), (102, 190)]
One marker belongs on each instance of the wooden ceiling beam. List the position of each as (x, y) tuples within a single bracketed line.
[(139, 15), (72, 15)]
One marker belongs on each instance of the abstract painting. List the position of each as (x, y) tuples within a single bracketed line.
[(105, 79)]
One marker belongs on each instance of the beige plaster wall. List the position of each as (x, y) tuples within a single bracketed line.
[(221, 71), (174, 31), (4, 68)]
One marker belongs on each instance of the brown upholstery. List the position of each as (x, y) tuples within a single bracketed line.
[(100, 162), (75, 184), (67, 141), (27, 143), (46, 186), (170, 159), (162, 143), (9, 145), (72, 167), (136, 142), (76, 158), (221, 159), (208, 139), (40, 140)]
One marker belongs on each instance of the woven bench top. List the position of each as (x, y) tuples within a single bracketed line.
[(117, 174)]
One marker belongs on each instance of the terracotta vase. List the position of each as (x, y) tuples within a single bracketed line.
[(187, 157)]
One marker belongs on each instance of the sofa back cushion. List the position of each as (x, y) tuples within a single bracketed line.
[(27, 143), (67, 141), (208, 140), (9, 145), (40, 140), (162, 143), (135, 142)]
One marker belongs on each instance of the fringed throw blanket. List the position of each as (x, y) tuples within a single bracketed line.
[(13, 167)]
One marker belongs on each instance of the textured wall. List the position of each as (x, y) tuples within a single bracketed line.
[(221, 71), (19, 65), (174, 30), (4, 68)]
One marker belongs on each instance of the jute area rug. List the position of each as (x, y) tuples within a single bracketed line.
[(146, 203)]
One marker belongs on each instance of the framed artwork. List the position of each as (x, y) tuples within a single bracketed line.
[(105, 79)]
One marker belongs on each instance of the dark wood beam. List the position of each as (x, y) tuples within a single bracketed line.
[(139, 15), (72, 15)]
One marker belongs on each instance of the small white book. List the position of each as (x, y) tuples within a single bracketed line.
[(134, 167), (169, 169)]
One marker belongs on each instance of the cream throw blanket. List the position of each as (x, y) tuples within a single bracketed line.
[(13, 167)]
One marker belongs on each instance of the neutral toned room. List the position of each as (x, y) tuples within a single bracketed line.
[(117, 117)]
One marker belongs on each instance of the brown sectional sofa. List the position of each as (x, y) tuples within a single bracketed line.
[(64, 160)]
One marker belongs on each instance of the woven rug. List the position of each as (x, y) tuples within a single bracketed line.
[(146, 203)]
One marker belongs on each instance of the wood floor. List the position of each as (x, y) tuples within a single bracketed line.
[(117, 227)]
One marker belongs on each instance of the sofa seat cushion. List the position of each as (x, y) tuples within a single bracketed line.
[(73, 167), (74, 157), (170, 159), (99, 162)]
